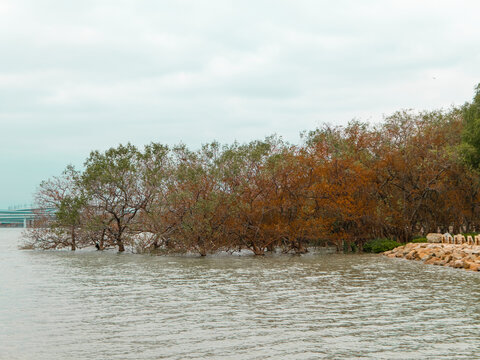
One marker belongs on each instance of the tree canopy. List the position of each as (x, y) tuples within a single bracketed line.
[(413, 173)]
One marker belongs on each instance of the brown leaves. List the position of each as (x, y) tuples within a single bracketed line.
[(342, 184)]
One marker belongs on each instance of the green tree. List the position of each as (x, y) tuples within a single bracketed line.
[(470, 147), (68, 216), (59, 221), (112, 182)]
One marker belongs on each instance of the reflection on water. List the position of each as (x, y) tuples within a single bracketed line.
[(93, 305)]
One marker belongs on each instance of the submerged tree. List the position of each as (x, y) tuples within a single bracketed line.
[(112, 181), (411, 174), (60, 204), (202, 206), (68, 217)]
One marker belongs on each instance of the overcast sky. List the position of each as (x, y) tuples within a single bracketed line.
[(82, 75)]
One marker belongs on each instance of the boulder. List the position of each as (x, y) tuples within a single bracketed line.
[(424, 255), (434, 237), (432, 261), (462, 256), (457, 255), (474, 267), (411, 255), (441, 262)]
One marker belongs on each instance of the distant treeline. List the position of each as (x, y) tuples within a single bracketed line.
[(413, 173)]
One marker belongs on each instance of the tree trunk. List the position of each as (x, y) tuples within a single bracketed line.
[(73, 239), (299, 248), (360, 246), (468, 226), (257, 250), (101, 245), (201, 246), (121, 247)]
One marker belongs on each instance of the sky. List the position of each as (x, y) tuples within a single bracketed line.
[(77, 76)]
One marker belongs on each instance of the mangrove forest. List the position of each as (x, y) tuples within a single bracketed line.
[(411, 174)]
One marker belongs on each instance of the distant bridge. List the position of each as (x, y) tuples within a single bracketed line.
[(21, 217)]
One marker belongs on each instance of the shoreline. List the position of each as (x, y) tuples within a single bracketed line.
[(460, 256)]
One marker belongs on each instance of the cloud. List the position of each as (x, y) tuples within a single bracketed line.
[(77, 76)]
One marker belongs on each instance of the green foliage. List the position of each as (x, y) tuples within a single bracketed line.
[(472, 234), (350, 247), (470, 146), (380, 245), (69, 211), (417, 239)]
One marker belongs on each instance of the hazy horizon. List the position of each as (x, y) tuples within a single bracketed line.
[(76, 77)]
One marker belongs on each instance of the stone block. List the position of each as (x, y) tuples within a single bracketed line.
[(434, 238)]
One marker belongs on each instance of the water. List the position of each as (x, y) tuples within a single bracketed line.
[(93, 305)]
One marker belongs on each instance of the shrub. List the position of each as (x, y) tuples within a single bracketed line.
[(419, 240), (347, 247), (380, 245)]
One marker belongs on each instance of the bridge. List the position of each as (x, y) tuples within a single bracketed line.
[(21, 217)]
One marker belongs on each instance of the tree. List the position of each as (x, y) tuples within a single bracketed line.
[(68, 216), (470, 147), (414, 157), (156, 171), (59, 219), (200, 204), (248, 179), (340, 184), (113, 183)]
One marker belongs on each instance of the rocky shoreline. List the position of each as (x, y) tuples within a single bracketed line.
[(462, 256)]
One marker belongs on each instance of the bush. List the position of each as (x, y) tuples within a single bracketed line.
[(419, 240), (380, 245), (472, 234), (347, 247)]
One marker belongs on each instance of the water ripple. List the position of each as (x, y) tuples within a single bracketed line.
[(93, 305)]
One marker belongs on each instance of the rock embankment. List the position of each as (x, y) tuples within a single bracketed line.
[(463, 256)]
